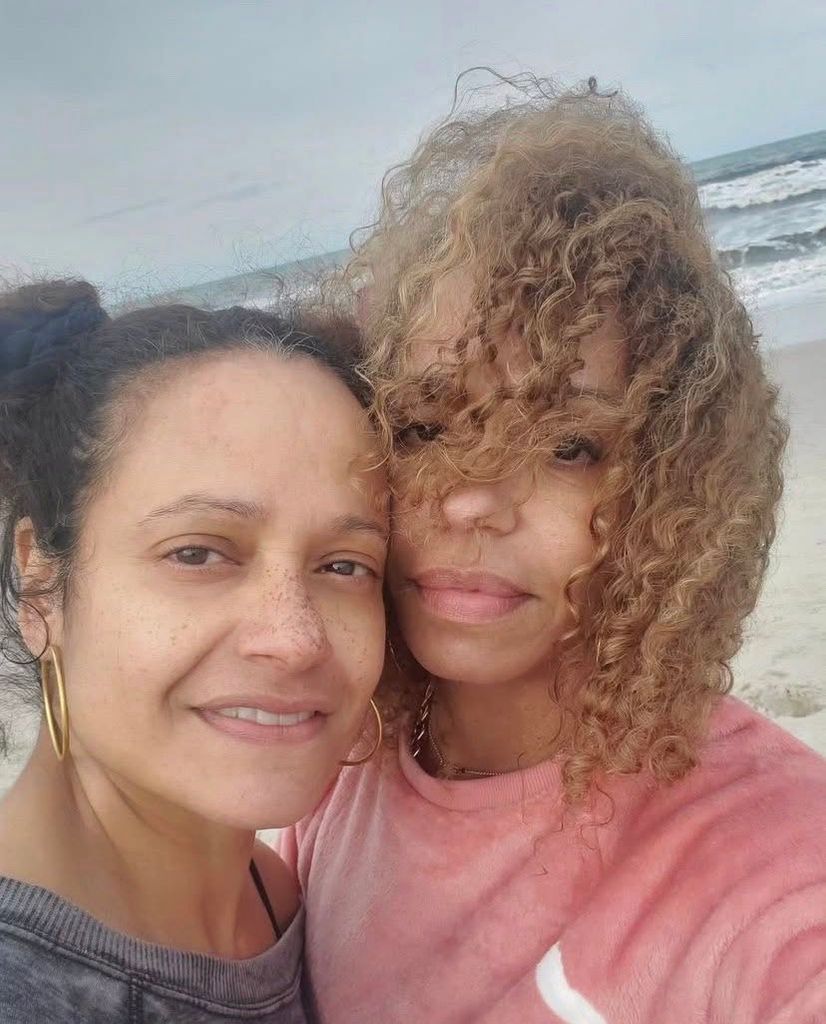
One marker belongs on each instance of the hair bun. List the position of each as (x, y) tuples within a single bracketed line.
[(37, 319)]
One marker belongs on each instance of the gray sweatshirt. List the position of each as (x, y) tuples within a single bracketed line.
[(60, 965)]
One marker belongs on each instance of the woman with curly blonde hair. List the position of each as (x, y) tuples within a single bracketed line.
[(574, 822)]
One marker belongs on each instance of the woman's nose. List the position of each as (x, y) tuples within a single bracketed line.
[(481, 506), (285, 626)]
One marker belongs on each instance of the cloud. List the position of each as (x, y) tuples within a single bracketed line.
[(164, 139), (122, 211), (232, 196)]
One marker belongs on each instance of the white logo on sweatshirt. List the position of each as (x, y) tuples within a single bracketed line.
[(568, 1004)]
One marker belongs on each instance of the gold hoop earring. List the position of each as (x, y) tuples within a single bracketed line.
[(376, 745), (60, 738)]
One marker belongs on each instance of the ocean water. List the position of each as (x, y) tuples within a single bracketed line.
[(262, 287), (765, 208)]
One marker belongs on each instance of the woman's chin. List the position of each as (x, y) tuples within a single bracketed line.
[(259, 818), (459, 664), (262, 804)]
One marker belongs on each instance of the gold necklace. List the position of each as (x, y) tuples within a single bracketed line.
[(423, 731)]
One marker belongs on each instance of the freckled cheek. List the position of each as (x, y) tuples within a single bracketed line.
[(562, 532), (358, 641), (129, 654)]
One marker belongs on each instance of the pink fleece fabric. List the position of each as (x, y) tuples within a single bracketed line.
[(482, 902)]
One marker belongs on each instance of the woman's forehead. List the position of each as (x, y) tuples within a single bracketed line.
[(604, 352), (605, 360)]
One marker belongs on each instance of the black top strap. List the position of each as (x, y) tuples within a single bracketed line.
[(262, 892)]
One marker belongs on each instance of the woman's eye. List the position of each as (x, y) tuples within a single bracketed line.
[(344, 567), (578, 451), (414, 435), (194, 556)]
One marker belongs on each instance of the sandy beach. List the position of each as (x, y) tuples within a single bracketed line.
[(781, 670), (782, 667)]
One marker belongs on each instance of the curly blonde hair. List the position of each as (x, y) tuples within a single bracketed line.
[(564, 208)]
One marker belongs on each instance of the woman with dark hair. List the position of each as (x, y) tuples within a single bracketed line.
[(574, 823), (193, 542)]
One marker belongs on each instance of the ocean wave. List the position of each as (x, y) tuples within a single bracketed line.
[(741, 163), (799, 273), (775, 185), (781, 247)]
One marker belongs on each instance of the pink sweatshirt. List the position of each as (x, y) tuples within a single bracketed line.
[(474, 902)]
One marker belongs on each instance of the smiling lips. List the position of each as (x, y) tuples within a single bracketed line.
[(467, 596), (262, 720), (265, 717)]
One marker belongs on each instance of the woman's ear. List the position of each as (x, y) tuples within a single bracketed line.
[(39, 614)]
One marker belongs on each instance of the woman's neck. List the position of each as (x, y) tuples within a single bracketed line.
[(493, 727), (143, 868)]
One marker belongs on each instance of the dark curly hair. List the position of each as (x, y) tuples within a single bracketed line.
[(563, 208)]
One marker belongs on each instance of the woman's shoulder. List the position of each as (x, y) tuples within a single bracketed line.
[(756, 797), (54, 958), (742, 736), (715, 876)]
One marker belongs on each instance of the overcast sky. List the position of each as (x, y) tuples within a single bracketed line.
[(149, 143)]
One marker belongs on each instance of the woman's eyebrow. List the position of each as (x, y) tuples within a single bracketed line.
[(189, 503), (250, 510), (601, 394), (358, 524)]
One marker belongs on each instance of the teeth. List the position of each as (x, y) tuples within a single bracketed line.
[(265, 717)]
